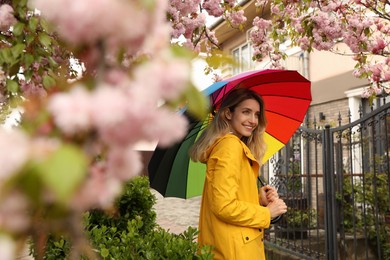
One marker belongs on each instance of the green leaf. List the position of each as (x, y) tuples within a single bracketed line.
[(18, 28), (44, 39), (29, 39), (180, 51), (44, 25), (12, 86), (63, 171), (20, 2), (104, 252), (48, 81), (28, 74), (17, 50), (33, 23), (52, 62), (197, 102), (28, 60), (6, 55), (218, 58)]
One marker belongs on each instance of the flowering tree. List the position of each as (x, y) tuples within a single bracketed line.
[(363, 25), (90, 89), (89, 74)]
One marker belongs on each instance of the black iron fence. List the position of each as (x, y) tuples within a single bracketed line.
[(335, 182)]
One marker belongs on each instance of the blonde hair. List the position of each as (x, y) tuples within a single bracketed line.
[(219, 127)]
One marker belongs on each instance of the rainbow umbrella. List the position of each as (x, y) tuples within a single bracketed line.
[(287, 97)]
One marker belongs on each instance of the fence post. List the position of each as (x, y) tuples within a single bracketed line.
[(330, 201)]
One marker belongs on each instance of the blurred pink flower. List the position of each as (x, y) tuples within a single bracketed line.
[(167, 127), (14, 152), (71, 111), (168, 77), (123, 163), (82, 22), (14, 216), (99, 190), (7, 18), (41, 148), (108, 107)]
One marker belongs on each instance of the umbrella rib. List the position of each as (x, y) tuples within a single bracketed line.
[(283, 115), (294, 97)]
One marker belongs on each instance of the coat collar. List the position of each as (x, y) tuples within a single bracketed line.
[(247, 151)]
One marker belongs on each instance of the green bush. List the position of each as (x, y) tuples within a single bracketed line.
[(112, 243), (365, 203), (131, 232), (135, 201)]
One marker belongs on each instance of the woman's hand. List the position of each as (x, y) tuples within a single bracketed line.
[(267, 195), (277, 207)]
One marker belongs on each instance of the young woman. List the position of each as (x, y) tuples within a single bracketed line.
[(233, 212)]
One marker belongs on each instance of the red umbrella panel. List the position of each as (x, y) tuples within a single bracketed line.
[(287, 97)]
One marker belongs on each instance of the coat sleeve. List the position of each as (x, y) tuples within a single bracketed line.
[(225, 162)]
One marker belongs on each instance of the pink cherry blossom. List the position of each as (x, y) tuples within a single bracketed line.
[(30, 89), (213, 7), (366, 93), (185, 7), (236, 18)]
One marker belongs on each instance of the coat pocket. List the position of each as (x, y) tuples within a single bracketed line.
[(249, 235), (249, 245)]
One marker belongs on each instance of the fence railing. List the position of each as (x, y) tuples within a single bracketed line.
[(335, 182)]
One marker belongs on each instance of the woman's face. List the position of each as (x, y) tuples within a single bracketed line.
[(245, 118)]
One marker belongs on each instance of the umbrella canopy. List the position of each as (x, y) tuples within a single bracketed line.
[(287, 97)]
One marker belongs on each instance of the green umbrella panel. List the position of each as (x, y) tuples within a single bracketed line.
[(186, 178)]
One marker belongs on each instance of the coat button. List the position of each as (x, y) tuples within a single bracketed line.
[(247, 238), (260, 229)]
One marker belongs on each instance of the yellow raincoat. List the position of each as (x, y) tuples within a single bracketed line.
[(231, 218)]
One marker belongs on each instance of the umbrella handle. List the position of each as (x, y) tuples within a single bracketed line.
[(274, 220)]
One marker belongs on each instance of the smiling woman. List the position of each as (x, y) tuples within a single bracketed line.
[(244, 118), (174, 174), (233, 214)]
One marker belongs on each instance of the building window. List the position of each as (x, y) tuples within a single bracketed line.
[(296, 61), (243, 56)]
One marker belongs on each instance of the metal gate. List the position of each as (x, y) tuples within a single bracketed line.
[(335, 182)]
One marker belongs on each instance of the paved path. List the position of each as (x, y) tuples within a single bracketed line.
[(176, 215)]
